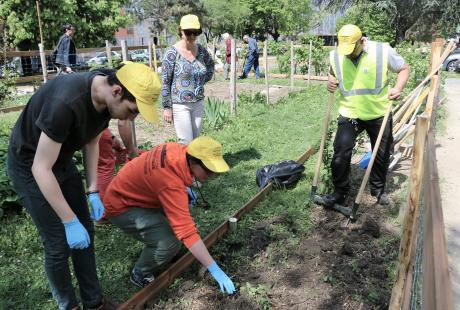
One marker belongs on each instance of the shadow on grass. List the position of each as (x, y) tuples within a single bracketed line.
[(242, 155)]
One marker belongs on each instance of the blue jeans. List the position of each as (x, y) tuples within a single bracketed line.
[(252, 60), (53, 236)]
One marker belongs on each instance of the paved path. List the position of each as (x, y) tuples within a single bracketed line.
[(448, 157)]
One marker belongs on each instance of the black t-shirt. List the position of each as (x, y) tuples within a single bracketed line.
[(64, 111)]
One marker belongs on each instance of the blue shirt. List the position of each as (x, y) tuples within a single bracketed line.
[(183, 80), (252, 46)]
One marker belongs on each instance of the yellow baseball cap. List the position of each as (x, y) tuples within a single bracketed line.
[(144, 84), (209, 151), (348, 36), (189, 21)]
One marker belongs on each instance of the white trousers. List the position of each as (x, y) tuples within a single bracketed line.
[(188, 118)]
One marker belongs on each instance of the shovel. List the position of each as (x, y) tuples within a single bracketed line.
[(358, 199), (313, 196)]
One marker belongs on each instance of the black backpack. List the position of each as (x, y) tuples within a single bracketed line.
[(283, 174)]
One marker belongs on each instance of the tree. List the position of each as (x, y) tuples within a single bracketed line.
[(94, 20), (226, 16), (278, 17), (421, 17), (373, 22)]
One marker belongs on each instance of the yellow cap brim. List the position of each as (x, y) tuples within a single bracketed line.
[(216, 165), (148, 111), (346, 48)]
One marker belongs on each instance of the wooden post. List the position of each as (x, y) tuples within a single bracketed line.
[(214, 48), (150, 53), (409, 234), (233, 79), (432, 96), (309, 64), (292, 65), (266, 71), (39, 22), (108, 52), (124, 54), (124, 50), (43, 62), (154, 51)]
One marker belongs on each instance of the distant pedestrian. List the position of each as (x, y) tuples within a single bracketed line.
[(66, 56), (252, 57), (228, 54), (186, 67)]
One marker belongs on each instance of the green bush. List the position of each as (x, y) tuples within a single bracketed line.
[(417, 58), (7, 86), (282, 53), (8, 196), (251, 98), (319, 55)]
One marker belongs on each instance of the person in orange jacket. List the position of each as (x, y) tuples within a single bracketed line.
[(148, 200)]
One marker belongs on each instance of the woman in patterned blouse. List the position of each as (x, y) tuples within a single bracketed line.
[(186, 67)]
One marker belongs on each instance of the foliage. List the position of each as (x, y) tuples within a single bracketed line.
[(282, 53), (94, 20), (374, 23), (216, 112), (319, 55), (251, 98), (277, 17), (416, 58), (259, 293), (410, 19), (8, 196), (226, 16), (7, 86)]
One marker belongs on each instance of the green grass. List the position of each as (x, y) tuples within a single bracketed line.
[(259, 135)]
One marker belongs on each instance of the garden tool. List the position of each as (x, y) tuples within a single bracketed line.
[(352, 216), (313, 196)]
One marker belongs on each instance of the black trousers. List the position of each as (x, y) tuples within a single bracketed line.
[(345, 139)]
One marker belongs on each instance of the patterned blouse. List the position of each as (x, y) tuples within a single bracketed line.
[(183, 81)]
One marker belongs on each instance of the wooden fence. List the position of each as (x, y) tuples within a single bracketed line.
[(422, 279)]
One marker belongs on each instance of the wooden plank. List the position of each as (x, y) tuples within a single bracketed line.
[(233, 78), (267, 87), (437, 288), (292, 65), (410, 110), (432, 95), (299, 76), (409, 226), (12, 109), (138, 300)]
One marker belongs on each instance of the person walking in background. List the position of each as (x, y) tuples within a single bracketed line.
[(228, 54), (186, 67), (252, 57), (65, 115), (359, 68), (148, 200), (66, 53)]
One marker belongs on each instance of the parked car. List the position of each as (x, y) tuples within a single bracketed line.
[(457, 66), (449, 63), (139, 55), (101, 58)]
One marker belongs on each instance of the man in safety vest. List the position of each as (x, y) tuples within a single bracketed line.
[(359, 67)]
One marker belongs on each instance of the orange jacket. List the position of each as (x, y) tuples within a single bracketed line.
[(156, 179)]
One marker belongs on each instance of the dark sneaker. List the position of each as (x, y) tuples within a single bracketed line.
[(330, 200), (242, 77), (141, 280), (383, 199)]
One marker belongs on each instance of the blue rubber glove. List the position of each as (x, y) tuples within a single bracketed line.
[(97, 208), (76, 234), (192, 199), (224, 281)]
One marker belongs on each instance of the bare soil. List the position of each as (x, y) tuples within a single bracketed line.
[(333, 267)]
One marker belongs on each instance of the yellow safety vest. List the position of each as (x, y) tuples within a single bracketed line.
[(363, 87)]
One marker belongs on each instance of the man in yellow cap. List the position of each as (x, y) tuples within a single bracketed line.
[(148, 200), (359, 68), (65, 115)]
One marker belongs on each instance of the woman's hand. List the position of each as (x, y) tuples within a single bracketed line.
[(168, 115)]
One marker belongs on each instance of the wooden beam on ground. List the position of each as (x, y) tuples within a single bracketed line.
[(410, 222), (12, 109), (138, 300), (267, 87), (299, 76), (233, 78)]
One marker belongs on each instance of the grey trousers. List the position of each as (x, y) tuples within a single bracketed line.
[(151, 227)]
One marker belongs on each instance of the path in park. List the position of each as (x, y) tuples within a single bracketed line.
[(448, 156)]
